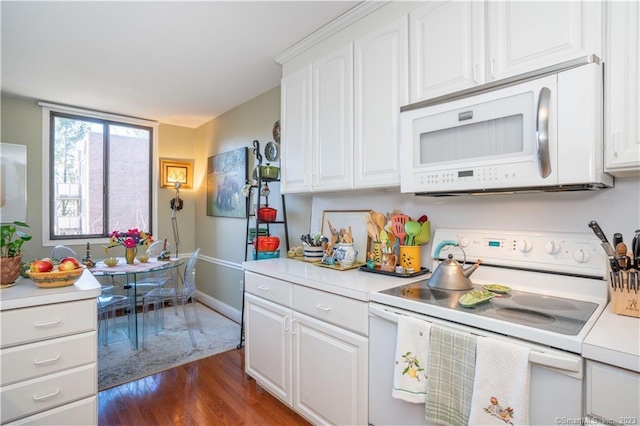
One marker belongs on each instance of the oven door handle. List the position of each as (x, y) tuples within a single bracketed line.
[(545, 359)]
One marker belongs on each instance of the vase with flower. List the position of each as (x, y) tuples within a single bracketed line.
[(130, 240)]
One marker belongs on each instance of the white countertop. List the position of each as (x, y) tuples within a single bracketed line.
[(350, 283), (25, 293), (614, 340)]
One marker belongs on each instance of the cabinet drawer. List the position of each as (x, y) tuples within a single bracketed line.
[(271, 289), (47, 321), (34, 396), (79, 413), (50, 356), (341, 311), (612, 393)]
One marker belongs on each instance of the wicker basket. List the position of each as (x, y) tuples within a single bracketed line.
[(56, 278), (10, 268)]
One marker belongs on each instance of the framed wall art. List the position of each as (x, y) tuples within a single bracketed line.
[(226, 175), (13, 182), (174, 170)]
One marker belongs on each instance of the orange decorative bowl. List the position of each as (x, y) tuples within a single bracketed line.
[(56, 278)]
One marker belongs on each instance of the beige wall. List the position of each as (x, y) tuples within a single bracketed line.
[(221, 239)]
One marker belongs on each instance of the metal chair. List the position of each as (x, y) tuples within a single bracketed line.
[(183, 294)]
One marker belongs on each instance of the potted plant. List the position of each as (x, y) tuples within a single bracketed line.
[(11, 240)]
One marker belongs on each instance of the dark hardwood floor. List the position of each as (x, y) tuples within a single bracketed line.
[(211, 391)]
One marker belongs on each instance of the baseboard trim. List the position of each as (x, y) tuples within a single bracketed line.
[(221, 307)]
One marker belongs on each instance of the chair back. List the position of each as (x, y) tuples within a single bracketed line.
[(189, 280), (155, 248), (60, 252)]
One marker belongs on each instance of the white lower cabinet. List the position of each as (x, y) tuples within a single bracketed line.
[(48, 360), (268, 346), (612, 394), (330, 373), (310, 361)]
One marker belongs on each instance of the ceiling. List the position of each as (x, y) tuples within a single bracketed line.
[(181, 63)]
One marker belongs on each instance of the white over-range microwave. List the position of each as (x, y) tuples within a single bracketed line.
[(541, 131)]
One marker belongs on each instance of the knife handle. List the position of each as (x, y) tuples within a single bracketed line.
[(598, 231), (617, 239)]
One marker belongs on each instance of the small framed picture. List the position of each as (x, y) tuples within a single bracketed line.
[(174, 170)]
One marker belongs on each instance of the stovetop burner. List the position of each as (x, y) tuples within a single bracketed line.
[(554, 314)]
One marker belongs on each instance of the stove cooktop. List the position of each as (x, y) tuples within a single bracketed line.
[(554, 314)]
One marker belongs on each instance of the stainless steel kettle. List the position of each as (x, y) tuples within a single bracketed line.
[(450, 274)]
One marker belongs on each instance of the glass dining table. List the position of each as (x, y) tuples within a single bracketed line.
[(126, 277)]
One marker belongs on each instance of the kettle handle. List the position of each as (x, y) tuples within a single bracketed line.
[(436, 252)]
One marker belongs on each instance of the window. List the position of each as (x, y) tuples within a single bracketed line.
[(100, 174)]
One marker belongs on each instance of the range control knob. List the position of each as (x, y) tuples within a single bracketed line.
[(464, 241), (581, 256), (552, 247), (524, 246)]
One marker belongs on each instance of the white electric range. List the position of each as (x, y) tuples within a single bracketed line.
[(558, 291)]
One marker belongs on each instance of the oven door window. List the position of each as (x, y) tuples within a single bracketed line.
[(497, 130)]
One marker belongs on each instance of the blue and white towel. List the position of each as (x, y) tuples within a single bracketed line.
[(411, 360), (452, 364), (501, 384)]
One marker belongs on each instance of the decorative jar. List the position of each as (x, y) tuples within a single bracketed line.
[(346, 254)]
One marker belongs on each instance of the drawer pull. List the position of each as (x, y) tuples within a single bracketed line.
[(263, 288), (47, 324), (323, 308), (46, 361), (49, 395)]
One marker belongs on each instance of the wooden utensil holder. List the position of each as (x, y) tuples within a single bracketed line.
[(625, 294)]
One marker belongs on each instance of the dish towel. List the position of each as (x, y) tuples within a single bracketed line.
[(501, 384), (452, 364), (411, 360)]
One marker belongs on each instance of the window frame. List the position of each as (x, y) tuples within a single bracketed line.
[(47, 109)]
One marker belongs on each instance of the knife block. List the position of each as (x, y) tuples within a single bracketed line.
[(625, 299)]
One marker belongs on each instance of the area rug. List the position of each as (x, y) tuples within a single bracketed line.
[(118, 363)]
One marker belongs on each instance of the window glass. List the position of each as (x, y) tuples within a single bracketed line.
[(100, 177)]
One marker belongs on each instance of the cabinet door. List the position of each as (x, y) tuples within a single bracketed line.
[(268, 345), (295, 139), (527, 35), (330, 365), (622, 99), (380, 89), (332, 123), (447, 48)]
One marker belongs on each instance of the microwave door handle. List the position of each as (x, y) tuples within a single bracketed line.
[(542, 132)]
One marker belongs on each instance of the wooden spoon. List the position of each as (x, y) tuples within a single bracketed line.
[(378, 219)]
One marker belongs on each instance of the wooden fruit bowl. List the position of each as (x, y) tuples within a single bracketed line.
[(56, 278)]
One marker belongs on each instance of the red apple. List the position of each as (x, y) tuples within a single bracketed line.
[(67, 265), (42, 265), (71, 259)]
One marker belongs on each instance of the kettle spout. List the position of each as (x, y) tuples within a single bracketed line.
[(471, 269)]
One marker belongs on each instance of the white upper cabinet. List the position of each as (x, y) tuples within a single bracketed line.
[(527, 35), (381, 88), (332, 124), (448, 52), (317, 125), (622, 89), (447, 48), (295, 127)]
